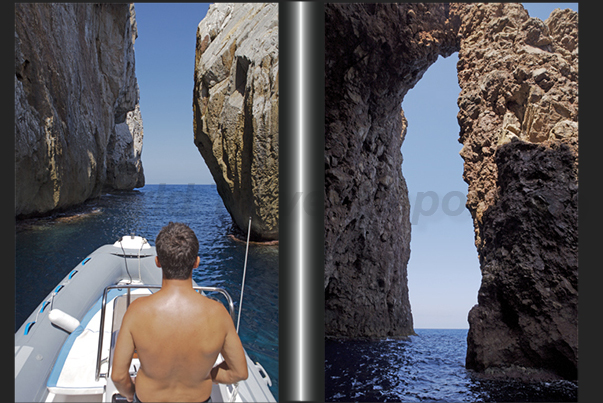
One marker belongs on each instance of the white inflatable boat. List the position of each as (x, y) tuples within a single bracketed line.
[(59, 356)]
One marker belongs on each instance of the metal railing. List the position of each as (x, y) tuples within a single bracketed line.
[(99, 359)]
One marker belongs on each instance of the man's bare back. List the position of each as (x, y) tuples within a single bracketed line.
[(178, 335)]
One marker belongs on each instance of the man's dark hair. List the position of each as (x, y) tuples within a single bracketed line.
[(177, 248)]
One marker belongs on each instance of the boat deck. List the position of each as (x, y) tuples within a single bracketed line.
[(73, 377)]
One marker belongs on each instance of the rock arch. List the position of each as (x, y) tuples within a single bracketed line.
[(518, 112)]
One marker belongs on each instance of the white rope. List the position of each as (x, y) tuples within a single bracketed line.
[(244, 272), (235, 392)]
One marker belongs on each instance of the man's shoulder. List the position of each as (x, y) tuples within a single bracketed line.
[(141, 302), (211, 304), (139, 306), (215, 308)]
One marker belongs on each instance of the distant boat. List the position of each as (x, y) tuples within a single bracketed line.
[(59, 356)]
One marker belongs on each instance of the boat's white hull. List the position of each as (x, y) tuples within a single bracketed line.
[(56, 366)]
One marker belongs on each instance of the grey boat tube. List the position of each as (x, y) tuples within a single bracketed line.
[(38, 341)]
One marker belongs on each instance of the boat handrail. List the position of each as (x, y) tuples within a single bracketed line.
[(137, 286)]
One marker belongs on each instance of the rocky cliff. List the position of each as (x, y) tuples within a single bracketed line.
[(518, 112), (374, 53), (235, 104), (78, 127)]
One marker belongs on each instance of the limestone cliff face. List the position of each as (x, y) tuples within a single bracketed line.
[(374, 53), (78, 127), (518, 113), (235, 104), (519, 128)]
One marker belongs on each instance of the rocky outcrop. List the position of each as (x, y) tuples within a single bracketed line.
[(78, 127), (519, 128), (374, 53), (525, 324), (235, 105), (518, 113), (124, 166)]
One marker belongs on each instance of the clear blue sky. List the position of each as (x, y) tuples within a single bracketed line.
[(165, 62), (443, 271)]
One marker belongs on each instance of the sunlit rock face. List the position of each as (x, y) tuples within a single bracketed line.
[(518, 114), (78, 127), (235, 104)]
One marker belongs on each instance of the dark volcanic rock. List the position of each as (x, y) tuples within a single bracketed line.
[(527, 312), (374, 53)]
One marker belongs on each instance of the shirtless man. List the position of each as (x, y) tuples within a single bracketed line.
[(177, 332)]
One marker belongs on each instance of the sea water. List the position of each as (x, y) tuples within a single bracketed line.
[(428, 367), (48, 248)]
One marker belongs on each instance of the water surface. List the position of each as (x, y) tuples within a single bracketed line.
[(428, 367)]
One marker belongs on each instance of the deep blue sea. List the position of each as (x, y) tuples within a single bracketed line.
[(49, 248), (428, 367)]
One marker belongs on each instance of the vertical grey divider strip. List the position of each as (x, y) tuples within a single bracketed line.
[(301, 239)]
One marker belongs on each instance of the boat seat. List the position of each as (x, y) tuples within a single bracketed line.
[(74, 369)]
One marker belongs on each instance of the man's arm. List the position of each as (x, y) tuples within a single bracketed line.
[(234, 366), (122, 357)]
